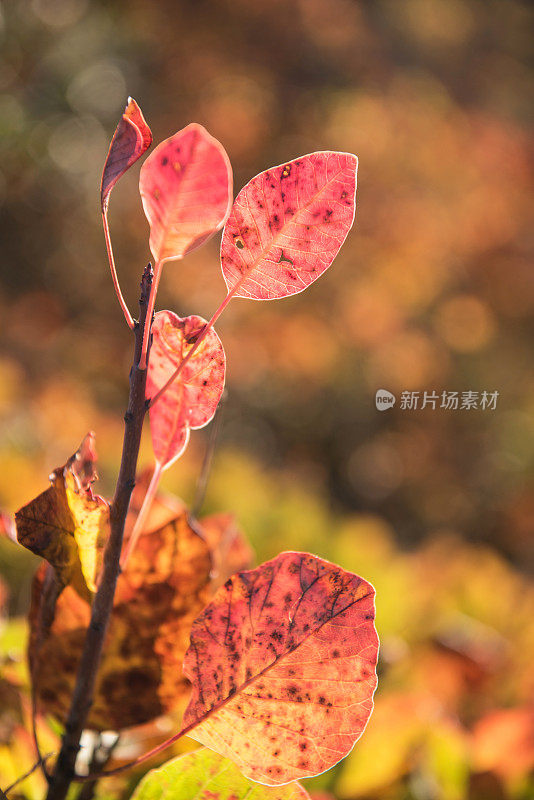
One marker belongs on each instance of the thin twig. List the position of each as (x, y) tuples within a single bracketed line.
[(114, 277), (150, 311), (39, 763), (82, 696)]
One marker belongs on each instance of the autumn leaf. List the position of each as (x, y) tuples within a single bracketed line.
[(205, 775), (288, 224), (164, 587), (191, 400), (186, 189), (230, 550), (282, 663), (131, 139), (67, 524)]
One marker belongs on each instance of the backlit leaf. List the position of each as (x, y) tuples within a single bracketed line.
[(191, 400), (67, 524), (287, 225), (282, 663), (186, 189), (205, 775), (163, 588), (131, 139)]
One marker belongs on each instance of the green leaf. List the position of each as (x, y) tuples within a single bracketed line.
[(205, 775)]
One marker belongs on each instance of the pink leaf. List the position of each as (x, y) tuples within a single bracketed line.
[(186, 189), (287, 225), (131, 139), (191, 400), (282, 665)]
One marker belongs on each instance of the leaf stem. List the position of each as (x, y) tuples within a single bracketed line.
[(114, 276), (149, 314), (206, 329), (82, 696), (143, 514)]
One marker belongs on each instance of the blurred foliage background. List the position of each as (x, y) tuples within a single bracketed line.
[(433, 290)]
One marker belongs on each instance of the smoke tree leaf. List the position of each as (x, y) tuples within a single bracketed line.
[(164, 586), (191, 400), (205, 775), (186, 189), (67, 524), (131, 139), (282, 664), (288, 224)]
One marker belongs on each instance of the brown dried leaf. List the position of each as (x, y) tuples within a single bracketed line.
[(68, 525), (162, 590)]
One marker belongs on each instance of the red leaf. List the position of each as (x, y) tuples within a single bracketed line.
[(131, 139), (282, 663), (287, 225), (191, 400), (186, 189)]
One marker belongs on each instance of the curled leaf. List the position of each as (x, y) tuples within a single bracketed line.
[(131, 139), (191, 400), (205, 775), (282, 663), (159, 594), (288, 224), (67, 524), (186, 189)]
